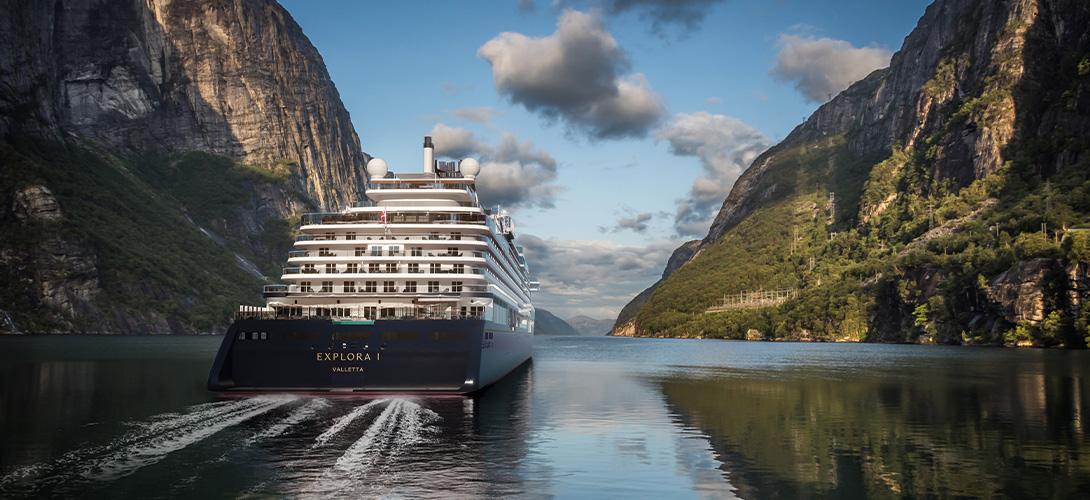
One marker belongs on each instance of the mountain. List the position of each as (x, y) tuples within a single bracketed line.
[(547, 323), (942, 199), (154, 152), (588, 326), (623, 326)]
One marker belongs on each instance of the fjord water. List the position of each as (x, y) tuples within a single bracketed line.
[(110, 417)]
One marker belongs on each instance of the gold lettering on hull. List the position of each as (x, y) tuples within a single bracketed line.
[(347, 356), (348, 369)]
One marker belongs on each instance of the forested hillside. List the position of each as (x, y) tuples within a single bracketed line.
[(943, 199)]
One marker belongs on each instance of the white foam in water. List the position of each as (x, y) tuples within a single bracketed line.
[(400, 425), (300, 414), (362, 453), (175, 434), (159, 425), (343, 422)]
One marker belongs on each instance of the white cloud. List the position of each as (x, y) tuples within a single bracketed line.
[(573, 75), (823, 67), (713, 100), (725, 147), (513, 174), (594, 278), (482, 115)]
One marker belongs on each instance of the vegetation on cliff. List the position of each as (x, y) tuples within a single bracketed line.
[(966, 228), (154, 236)]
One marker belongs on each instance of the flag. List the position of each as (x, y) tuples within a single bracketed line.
[(384, 217)]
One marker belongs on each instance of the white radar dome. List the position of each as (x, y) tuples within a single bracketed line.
[(469, 168), (377, 168)]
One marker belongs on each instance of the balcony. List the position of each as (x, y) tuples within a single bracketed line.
[(391, 218)]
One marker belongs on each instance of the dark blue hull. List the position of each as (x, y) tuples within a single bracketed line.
[(312, 355)]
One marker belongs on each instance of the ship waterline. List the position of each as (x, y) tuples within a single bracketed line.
[(420, 289)]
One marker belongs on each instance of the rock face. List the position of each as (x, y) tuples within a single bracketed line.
[(231, 77), (960, 50), (63, 271), (124, 80), (985, 98)]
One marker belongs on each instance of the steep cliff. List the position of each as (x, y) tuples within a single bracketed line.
[(623, 326), (966, 159), (230, 77), (154, 152)]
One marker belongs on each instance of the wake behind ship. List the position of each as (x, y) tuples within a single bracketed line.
[(420, 289)]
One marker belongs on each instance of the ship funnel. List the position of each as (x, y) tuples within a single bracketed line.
[(429, 155)]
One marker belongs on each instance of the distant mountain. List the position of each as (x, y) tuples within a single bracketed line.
[(547, 323), (942, 199), (589, 326), (153, 154)]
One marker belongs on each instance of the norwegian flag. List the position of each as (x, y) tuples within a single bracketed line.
[(384, 217)]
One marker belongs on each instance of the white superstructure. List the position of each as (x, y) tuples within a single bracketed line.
[(422, 247)]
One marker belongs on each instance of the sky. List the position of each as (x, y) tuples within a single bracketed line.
[(611, 130)]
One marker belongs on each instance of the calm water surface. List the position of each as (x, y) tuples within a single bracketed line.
[(128, 417)]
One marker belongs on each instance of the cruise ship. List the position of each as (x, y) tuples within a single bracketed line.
[(420, 289)]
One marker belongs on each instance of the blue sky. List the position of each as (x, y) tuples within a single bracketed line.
[(612, 129)]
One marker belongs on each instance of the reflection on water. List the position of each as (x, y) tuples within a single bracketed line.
[(989, 423), (108, 417)]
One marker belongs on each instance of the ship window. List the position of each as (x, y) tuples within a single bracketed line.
[(264, 335), (331, 268), (418, 251), (360, 251), (309, 269), (350, 236), (436, 268), (459, 268), (370, 286), (455, 236), (352, 268), (391, 268), (414, 268), (302, 336), (351, 335), (448, 336), (372, 268), (456, 286), (349, 286), (242, 336), (330, 236), (395, 250), (304, 286), (253, 335), (476, 311), (433, 286), (324, 252), (452, 251), (389, 287), (400, 335), (376, 250), (410, 286), (327, 286)]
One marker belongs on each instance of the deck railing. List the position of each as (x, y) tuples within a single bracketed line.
[(342, 314)]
